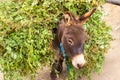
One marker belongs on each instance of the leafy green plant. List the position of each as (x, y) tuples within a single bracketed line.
[(26, 34)]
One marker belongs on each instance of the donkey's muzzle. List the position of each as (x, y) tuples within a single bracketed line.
[(78, 61)]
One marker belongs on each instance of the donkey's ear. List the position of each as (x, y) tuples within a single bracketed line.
[(86, 16), (68, 18)]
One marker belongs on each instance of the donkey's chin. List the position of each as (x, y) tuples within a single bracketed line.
[(78, 61)]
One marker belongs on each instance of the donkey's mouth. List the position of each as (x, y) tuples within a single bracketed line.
[(78, 61)]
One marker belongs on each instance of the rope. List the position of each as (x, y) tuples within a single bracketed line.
[(65, 57)]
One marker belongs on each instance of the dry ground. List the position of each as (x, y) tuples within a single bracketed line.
[(111, 68)]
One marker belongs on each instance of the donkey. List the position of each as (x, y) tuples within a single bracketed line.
[(71, 36)]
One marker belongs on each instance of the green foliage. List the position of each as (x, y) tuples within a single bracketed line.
[(25, 35)]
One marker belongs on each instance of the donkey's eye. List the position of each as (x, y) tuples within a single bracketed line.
[(70, 41)]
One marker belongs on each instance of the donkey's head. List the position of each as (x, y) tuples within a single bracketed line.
[(72, 35)]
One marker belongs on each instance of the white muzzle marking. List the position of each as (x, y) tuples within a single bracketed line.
[(78, 60)]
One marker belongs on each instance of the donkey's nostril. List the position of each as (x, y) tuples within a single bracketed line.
[(79, 66)]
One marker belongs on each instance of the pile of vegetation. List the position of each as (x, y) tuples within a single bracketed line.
[(26, 34)]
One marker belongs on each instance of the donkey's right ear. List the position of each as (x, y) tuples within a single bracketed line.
[(86, 16), (68, 18)]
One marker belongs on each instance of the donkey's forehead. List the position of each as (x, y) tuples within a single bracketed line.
[(75, 33), (75, 30)]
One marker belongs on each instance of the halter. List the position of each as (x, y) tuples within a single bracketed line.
[(64, 56)]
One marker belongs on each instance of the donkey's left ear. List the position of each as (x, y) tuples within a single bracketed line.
[(86, 16), (68, 18)]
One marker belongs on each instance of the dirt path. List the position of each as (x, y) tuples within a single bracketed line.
[(111, 68)]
